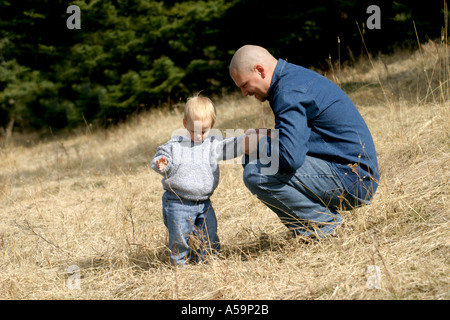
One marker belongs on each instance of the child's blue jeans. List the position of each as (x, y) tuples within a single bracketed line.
[(184, 219), (306, 201)]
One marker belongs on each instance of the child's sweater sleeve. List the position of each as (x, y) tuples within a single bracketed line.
[(229, 148), (163, 151)]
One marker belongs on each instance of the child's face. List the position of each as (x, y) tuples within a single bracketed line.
[(198, 129)]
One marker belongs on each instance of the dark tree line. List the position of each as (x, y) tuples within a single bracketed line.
[(132, 55)]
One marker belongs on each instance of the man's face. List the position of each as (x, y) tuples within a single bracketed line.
[(252, 83)]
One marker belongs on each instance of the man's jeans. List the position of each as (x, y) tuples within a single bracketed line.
[(195, 220), (306, 201)]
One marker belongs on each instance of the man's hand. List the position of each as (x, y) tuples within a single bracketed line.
[(161, 163), (251, 139), (260, 132)]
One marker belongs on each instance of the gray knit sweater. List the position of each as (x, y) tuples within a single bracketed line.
[(192, 171)]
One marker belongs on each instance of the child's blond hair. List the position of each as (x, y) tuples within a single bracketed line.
[(199, 108)]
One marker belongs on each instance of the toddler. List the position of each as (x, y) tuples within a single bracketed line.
[(189, 165)]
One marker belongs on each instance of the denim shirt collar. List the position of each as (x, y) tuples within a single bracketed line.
[(275, 77)]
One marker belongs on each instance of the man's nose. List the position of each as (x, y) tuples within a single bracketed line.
[(244, 92)]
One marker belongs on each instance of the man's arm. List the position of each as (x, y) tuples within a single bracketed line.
[(294, 131)]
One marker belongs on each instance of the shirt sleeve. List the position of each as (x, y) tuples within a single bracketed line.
[(227, 149), (163, 151), (294, 129)]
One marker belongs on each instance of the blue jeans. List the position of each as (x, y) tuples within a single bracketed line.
[(184, 219), (305, 201)]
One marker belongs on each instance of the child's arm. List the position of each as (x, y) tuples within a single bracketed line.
[(236, 146), (162, 161), (229, 148)]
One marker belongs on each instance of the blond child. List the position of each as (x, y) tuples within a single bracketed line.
[(189, 165)]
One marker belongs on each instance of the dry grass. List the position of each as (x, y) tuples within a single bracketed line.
[(91, 200)]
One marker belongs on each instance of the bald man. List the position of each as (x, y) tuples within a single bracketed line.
[(327, 160)]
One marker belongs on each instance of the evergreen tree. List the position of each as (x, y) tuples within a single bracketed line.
[(131, 55)]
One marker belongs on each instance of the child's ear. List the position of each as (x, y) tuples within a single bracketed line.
[(184, 123)]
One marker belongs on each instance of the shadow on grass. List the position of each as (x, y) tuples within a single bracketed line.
[(265, 244)]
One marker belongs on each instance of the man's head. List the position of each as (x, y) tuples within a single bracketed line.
[(199, 117), (251, 69)]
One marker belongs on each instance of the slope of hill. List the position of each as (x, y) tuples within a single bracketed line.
[(81, 215)]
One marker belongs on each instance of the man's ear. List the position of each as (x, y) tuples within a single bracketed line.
[(260, 70)]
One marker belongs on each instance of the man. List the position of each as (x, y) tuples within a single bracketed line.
[(327, 159)]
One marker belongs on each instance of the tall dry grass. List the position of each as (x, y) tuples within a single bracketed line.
[(91, 202)]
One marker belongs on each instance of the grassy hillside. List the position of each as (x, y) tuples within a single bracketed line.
[(90, 202)]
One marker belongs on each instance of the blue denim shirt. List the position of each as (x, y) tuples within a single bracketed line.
[(316, 118)]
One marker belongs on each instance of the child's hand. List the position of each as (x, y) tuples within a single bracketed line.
[(161, 163)]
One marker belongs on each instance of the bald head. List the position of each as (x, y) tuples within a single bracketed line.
[(246, 57), (251, 69)]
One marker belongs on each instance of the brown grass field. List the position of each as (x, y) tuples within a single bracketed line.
[(90, 202)]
